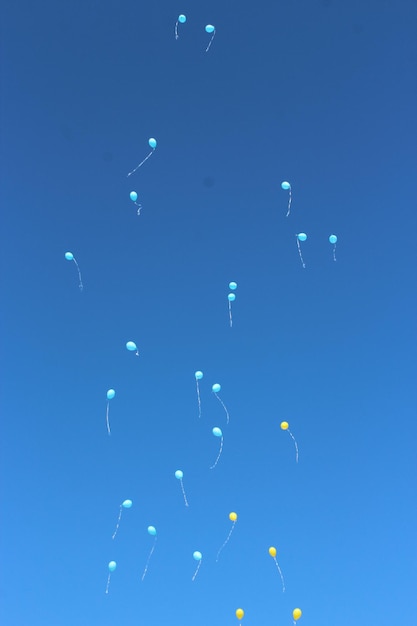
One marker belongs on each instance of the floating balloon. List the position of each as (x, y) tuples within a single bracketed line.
[(216, 388), (152, 533), (287, 187), (111, 566), (286, 426), (126, 504), (301, 237), (211, 31), (134, 196), (70, 257), (217, 433), (231, 298), (152, 144), (273, 552), (197, 556), (240, 613), (233, 519), (131, 346), (110, 395), (179, 476), (181, 20), (198, 376), (333, 241), (297, 613), (232, 285)]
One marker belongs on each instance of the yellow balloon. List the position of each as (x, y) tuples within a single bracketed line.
[(233, 516), (284, 425), (240, 613), (272, 551), (297, 613)]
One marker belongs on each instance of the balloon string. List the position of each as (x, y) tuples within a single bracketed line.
[(196, 571), (289, 205), (334, 253), (198, 399), (149, 558), (176, 30), (118, 522), (228, 537), (79, 275), (224, 406), (230, 314), (295, 443), (139, 207), (210, 42), (280, 573), (299, 252), (218, 456), (183, 493), (107, 418), (141, 163), (108, 583)]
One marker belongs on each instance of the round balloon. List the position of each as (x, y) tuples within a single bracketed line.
[(302, 236), (216, 388), (209, 28), (133, 196), (127, 504), (112, 566), (217, 432), (272, 551), (233, 516), (297, 613), (179, 474), (152, 143), (284, 425), (69, 256), (198, 375), (232, 285), (333, 238), (131, 346), (240, 613), (182, 19), (285, 185), (152, 531), (231, 297), (110, 394), (197, 555)]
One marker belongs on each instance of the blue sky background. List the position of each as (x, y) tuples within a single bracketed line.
[(322, 94)]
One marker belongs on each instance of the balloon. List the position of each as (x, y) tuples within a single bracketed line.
[(197, 556), (231, 297), (69, 256), (152, 143), (232, 285), (182, 19), (217, 432), (297, 613), (284, 425), (198, 375), (110, 394), (240, 613), (179, 474), (127, 504), (152, 531), (233, 516), (333, 238), (133, 196), (216, 388), (131, 346), (112, 566), (210, 28), (272, 551), (285, 185), (301, 236)]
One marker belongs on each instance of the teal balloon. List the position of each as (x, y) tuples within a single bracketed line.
[(210, 28), (110, 394), (126, 504), (216, 388), (231, 297), (182, 19), (198, 375), (332, 238), (112, 566), (133, 196), (152, 143), (69, 256), (179, 474), (301, 236), (197, 556), (217, 432), (131, 346), (232, 286), (152, 531), (285, 185)]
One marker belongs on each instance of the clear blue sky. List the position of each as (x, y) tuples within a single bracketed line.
[(320, 93)]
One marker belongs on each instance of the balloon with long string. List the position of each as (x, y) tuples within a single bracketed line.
[(211, 31), (132, 347), (333, 241), (198, 376), (273, 552), (126, 504), (111, 567), (110, 395), (285, 185), (240, 614), (286, 426), (197, 556), (233, 519), (152, 533), (231, 298), (179, 474), (134, 196), (296, 614), (215, 389), (152, 143), (301, 237), (217, 433), (70, 257), (181, 20)]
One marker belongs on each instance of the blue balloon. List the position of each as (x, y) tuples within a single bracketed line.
[(126, 504), (216, 388), (152, 143), (210, 28), (152, 531), (179, 474), (133, 196), (332, 238), (112, 566), (69, 256), (231, 297), (301, 236), (197, 555), (217, 432), (232, 286), (198, 375), (131, 346), (285, 185), (110, 394), (182, 19)]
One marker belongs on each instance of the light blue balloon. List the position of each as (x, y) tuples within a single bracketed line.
[(210, 28), (179, 474), (182, 19), (126, 504), (197, 556), (69, 256), (152, 143), (332, 238), (216, 387), (231, 297), (131, 346), (152, 531), (198, 375), (232, 286), (112, 566), (301, 236), (133, 196), (285, 185), (217, 432), (110, 394)]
